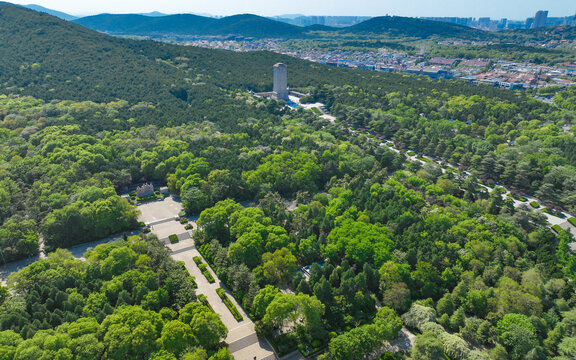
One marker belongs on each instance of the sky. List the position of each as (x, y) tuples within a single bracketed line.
[(511, 9)]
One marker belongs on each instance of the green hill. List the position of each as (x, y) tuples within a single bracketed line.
[(411, 27), (142, 24), (56, 13), (187, 24), (257, 26), (254, 26), (52, 59)]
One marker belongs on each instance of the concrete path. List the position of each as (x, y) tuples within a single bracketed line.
[(242, 340)]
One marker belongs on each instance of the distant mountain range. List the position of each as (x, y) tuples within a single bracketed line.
[(56, 13), (188, 24), (261, 27)]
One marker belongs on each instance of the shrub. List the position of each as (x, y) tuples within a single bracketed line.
[(534, 204), (572, 221), (208, 276), (173, 238), (183, 221), (222, 293), (557, 229), (188, 226), (197, 260), (203, 267), (418, 315), (146, 198), (204, 301), (411, 153)]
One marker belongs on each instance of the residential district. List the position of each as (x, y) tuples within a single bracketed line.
[(495, 72)]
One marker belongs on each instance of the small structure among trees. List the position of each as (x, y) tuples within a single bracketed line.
[(145, 190)]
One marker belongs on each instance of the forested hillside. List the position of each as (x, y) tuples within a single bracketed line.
[(385, 243), (188, 24), (416, 28)]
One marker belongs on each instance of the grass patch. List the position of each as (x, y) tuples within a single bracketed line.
[(233, 309), (534, 204), (557, 229), (422, 158), (411, 153), (572, 221), (316, 111), (173, 238)]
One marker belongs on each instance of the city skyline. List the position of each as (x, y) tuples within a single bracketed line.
[(511, 9)]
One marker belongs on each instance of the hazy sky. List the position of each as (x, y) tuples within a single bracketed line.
[(511, 9)]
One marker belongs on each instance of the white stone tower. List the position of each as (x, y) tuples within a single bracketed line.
[(280, 82)]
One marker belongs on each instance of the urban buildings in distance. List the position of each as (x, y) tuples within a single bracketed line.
[(539, 20)]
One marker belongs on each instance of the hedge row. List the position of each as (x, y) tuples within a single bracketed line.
[(229, 304), (557, 229), (204, 269), (572, 221), (204, 301)]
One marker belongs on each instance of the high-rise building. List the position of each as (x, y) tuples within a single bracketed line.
[(484, 22), (280, 82), (540, 19)]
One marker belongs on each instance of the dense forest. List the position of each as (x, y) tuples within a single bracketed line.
[(387, 245), (524, 144), (127, 300)]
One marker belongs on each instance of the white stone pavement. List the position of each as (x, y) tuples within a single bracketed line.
[(242, 339)]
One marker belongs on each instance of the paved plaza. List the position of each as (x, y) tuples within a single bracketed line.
[(159, 210)]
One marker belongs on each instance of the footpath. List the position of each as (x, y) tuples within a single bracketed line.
[(242, 340)]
